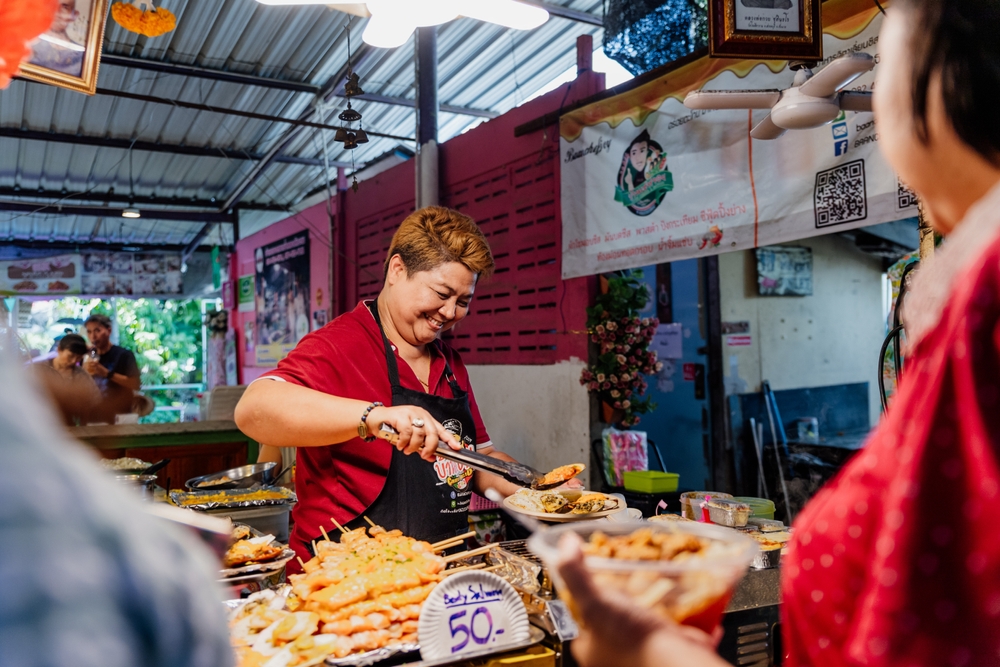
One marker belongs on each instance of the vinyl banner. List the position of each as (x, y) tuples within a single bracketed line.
[(646, 180), (94, 274), (281, 297)]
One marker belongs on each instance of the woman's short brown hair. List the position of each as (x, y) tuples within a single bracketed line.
[(435, 235)]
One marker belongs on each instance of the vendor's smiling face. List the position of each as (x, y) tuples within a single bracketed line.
[(426, 303)]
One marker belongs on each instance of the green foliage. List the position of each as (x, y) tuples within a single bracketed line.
[(165, 337)]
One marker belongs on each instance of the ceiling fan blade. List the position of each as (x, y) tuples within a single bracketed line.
[(732, 99), (837, 74), (855, 101), (766, 129)]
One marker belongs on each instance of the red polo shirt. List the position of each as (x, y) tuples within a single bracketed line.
[(347, 358)]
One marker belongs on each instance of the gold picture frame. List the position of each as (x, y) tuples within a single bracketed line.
[(68, 55), (765, 29)]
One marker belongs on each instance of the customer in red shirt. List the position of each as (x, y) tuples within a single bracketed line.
[(896, 562), (383, 363)]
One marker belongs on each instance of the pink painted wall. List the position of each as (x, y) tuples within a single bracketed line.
[(316, 222)]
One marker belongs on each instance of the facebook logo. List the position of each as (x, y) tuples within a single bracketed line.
[(840, 147), (840, 131)]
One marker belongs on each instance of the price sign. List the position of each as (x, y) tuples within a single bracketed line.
[(470, 612)]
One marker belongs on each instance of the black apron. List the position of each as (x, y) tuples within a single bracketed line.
[(428, 501)]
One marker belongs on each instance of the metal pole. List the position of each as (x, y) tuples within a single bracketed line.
[(427, 187)]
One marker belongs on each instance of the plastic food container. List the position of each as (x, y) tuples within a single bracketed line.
[(693, 590), (728, 512), (651, 481), (762, 507), (691, 502)]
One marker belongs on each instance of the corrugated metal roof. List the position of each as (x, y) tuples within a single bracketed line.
[(481, 66)]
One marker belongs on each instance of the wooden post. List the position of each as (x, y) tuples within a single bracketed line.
[(926, 234)]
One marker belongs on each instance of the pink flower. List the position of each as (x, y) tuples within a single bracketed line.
[(645, 321), (594, 386), (625, 377), (618, 405), (600, 377), (658, 366), (626, 404), (599, 329), (612, 326), (613, 379), (625, 348), (620, 358), (605, 386), (615, 393)]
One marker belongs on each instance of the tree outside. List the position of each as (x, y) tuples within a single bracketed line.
[(164, 335)]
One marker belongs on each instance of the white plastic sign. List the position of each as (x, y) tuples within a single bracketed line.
[(471, 612)]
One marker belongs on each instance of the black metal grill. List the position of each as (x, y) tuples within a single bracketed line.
[(520, 548)]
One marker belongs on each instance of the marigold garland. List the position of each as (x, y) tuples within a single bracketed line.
[(151, 22), (21, 21)]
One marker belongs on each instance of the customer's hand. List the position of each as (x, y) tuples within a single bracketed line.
[(418, 431), (614, 632)]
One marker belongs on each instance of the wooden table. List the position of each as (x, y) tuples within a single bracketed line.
[(194, 448)]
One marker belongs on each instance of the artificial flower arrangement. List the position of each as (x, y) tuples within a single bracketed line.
[(151, 22), (623, 355)]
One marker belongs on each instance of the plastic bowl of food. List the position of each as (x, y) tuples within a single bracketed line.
[(691, 502), (685, 571)]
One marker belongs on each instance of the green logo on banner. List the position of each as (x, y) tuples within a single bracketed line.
[(245, 290)]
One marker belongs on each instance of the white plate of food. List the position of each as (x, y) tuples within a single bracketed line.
[(561, 505)]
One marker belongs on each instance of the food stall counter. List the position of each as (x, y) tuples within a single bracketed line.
[(194, 448)]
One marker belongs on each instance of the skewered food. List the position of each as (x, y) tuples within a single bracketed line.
[(362, 593)]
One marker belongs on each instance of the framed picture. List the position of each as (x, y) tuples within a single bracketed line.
[(765, 29), (69, 53)]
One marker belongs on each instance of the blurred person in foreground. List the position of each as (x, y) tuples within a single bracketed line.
[(896, 562), (113, 368), (73, 390), (88, 578)]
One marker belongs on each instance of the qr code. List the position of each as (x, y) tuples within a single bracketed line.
[(905, 197), (839, 196)]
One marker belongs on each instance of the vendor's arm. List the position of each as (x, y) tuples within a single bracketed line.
[(284, 414), (484, 480)]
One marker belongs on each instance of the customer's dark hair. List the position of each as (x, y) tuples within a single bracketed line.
[(960, 39), (75, 343), (103, 320)]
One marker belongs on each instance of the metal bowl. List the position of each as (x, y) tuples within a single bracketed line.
[(235, 478), (143, 484)]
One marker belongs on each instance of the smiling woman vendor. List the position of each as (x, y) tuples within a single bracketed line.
[(383, 362)]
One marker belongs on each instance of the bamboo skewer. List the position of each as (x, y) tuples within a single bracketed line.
[(447, 545), (469, 554), (337, 524), (325, 536), (314, 547), (463, 536), (301, 563), (370, 522), (464, 568)]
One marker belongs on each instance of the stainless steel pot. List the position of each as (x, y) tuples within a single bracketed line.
[(235, 478), (143, 484)]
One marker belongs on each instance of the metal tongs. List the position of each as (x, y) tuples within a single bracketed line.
[(518, 473)]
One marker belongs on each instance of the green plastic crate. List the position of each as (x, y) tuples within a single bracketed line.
[(651, 481)]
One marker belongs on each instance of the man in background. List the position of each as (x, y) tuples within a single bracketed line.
[(113, 368)]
